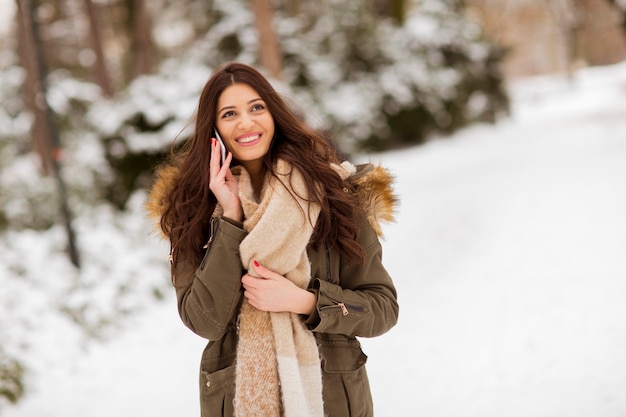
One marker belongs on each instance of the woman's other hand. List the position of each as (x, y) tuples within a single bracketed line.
[(275, 293), (224, 184)]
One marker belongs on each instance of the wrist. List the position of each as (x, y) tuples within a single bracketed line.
[(236, 215), (306, 304)]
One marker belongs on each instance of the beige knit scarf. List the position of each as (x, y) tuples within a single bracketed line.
[(276, 353)]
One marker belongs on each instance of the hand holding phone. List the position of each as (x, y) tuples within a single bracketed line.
[(222, 146)]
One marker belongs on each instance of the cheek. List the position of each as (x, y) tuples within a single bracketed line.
[(271, 126), (225, 132)]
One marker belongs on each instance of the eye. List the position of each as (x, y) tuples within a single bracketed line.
[(228, 114), (257, 107)]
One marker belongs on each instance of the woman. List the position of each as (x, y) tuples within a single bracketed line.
[(275, 256)]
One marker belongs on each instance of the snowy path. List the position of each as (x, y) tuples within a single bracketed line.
[(509, 258)]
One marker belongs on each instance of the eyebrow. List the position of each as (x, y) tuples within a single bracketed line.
[(233, 107)]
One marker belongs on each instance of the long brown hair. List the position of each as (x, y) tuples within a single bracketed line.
[(190, 204)]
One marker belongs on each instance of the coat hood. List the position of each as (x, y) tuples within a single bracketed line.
[(372, 184)]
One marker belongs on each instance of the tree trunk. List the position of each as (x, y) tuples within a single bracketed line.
[(602, 36), (269, 50), (39, 137), (101, 73), (49, 146), (396, 9), (567, 15), (622, 11), (293, 7), (143, 45)]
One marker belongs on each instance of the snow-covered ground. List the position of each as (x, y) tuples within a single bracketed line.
[(509, 254)]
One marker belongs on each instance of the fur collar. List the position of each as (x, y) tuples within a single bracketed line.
[(372, 184)]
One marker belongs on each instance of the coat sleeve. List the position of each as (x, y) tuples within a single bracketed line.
[(364, 303), (209, 294)]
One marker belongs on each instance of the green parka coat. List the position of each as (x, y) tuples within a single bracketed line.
[(352, 300)]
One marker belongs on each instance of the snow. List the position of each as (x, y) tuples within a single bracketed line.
[(508, 256)]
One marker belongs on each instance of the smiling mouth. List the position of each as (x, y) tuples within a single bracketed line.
[(248, 139)]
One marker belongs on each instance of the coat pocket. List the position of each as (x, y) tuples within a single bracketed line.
[(346, 387), (217, 392)]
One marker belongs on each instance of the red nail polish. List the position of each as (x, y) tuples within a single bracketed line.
[(255, 263)]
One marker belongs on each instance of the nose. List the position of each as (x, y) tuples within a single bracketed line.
[(245, 122)]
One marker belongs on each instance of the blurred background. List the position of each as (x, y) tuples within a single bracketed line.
[(452, 95)]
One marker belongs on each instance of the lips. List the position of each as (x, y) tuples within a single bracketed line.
[(248, 140)]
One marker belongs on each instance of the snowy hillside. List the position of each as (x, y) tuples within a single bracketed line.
[(509, 258)]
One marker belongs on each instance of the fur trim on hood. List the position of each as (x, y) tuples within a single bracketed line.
[(372, 184), (165, 180)]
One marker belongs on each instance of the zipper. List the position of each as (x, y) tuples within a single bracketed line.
[(345, 308), (329, 277), (212, 231), (209, 243)]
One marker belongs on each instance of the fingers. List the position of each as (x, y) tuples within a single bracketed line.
[(248, 281), (217, 168), (261, 270), (228, 173), (253, 285), (214, 161), (214, 166), (255, 290), (219, 173), (274, 293), (227, 161)]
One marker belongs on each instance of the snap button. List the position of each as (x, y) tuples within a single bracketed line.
[(208, 384)]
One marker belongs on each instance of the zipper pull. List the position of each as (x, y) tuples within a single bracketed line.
[(212, 233), (343, 308)]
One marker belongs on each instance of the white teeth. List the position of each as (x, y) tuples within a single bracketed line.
[(248, 139)]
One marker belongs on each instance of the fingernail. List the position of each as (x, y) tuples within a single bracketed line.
[(255, 263)]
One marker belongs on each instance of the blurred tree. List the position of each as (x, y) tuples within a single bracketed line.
[(270, 55), (396, 9), (620, 6), (143, 50), (39, 136), (291, 7), (110, 42), (51, 146), (101, 72), (397, 83), (559, 35), (11, 378), (374, 83), (601, 37), (568, 16)]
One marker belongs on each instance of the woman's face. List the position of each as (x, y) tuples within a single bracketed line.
[(245, 124)]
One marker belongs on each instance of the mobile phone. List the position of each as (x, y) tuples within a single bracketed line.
[(222, 146)]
